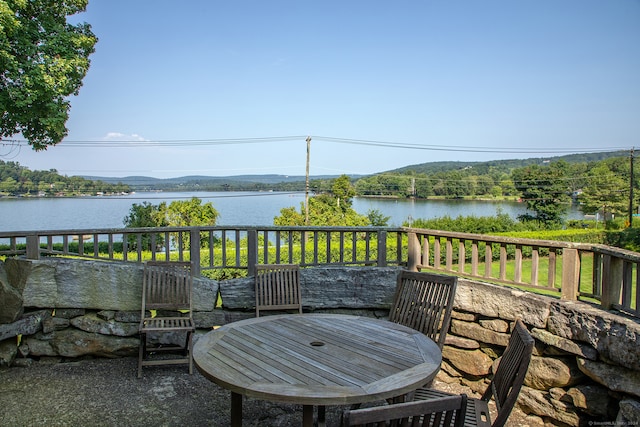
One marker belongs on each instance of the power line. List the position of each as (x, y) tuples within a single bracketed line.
[(366, 142), (468, 149), (164, 142)]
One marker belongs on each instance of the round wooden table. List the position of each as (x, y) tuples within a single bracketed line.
[(316, 360)]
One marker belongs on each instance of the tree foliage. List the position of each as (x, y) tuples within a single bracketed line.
[(179, 213), (323, 211), (326, 209), (187, 213), (146, 215), (343, 191), (545, 192), (607, 188), (377, 218), (19, 180), (500, 223), (43, 60)]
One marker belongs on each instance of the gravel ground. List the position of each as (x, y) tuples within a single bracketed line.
[(107, 392)]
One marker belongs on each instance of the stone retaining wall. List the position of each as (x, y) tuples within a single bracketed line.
[(585, 367)]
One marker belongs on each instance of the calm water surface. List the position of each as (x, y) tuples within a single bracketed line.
[(235, 208)]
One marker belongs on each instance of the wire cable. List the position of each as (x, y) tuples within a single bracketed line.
[(366, 142)]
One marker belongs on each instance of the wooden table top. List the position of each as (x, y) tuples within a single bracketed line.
[(317, 359)]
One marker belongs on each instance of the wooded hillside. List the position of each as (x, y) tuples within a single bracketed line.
[(17, 180)]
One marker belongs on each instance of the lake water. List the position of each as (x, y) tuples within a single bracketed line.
[(235, 208)]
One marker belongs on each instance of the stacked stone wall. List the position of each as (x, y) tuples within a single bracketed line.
[(585, 368)]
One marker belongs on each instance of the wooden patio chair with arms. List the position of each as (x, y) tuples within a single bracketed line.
[(504, 386), (277, 288), (443, 412), (424, 301), (166, 289)]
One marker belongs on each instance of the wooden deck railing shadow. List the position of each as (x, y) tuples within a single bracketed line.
[(597, 273)]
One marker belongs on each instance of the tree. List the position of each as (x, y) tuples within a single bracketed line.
[(423, 187), (145, 215), (606, 190), (343, 191), (326, 209), (179, 213), (377, 218), (544, 190), (43, 60), (9, 185), (484, 185), (187, 213)]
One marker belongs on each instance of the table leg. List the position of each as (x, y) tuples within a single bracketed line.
[(307, 415), (236, 410)]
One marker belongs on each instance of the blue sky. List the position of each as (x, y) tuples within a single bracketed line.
[(466, 80)]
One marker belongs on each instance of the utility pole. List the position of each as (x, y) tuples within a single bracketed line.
[(306, 185), (631, 189)]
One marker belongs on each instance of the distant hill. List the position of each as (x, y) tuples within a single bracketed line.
[(295, 182), (435, 167)]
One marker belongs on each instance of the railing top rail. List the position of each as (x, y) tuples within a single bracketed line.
[(504, 239), (203, 228), (624, 254)]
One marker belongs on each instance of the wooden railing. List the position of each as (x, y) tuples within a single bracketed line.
[(215, 247), (590, 272), (569, 270)]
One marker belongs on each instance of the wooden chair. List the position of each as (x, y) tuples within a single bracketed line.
[(423, 301), (442, 412), (277, 288), (504, 386), (166, 288)]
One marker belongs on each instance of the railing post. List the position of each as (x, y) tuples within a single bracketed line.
[(612, 273), (570, 274), (413, 249), (194, 251), (449, 254), (33, 247), (252, 251), (382, 248)]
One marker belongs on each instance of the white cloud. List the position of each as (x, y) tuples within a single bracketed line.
[(118, 136)]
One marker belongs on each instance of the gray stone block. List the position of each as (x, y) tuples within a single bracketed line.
[(29, 324), (616, 338), (500, 302)]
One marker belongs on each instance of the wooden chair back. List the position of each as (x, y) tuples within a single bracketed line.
[(441, 412), (166, 286), (424, 301), (277, 288), (509, 376)]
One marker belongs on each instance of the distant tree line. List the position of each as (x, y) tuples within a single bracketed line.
[(17, 180), (548, 188)]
